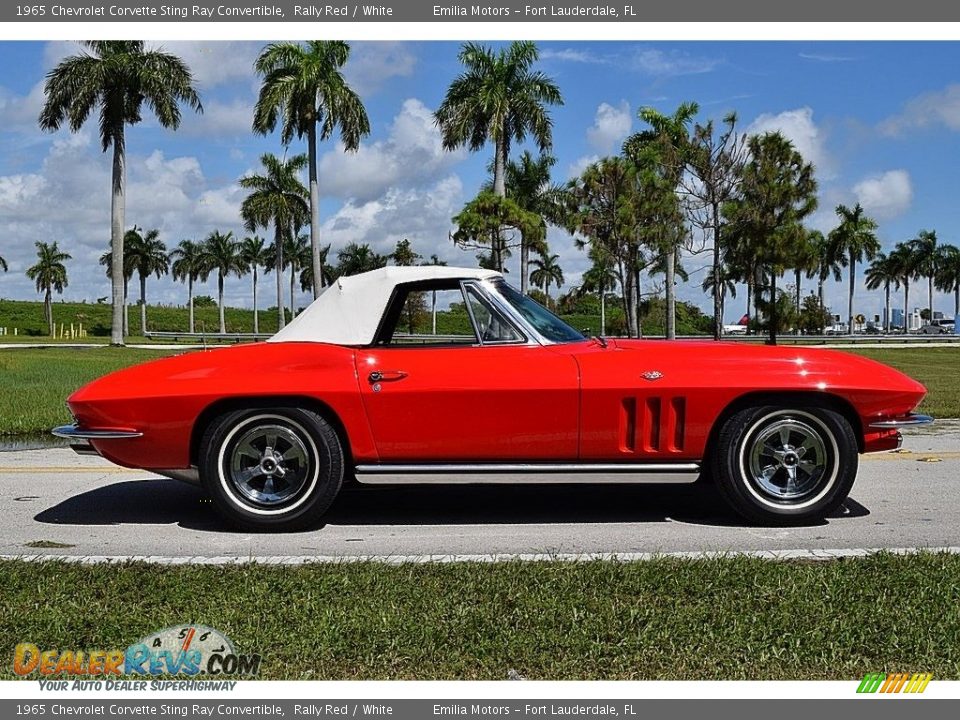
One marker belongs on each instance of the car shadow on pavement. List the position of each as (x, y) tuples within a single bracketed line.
[(162, 502)]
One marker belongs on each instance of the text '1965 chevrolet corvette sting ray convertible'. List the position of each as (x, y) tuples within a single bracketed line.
[(364, 385)]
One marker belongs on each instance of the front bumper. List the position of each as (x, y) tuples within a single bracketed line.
[(80, 437)]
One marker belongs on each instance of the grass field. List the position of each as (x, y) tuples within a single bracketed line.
[(35, 382), (732, 618)]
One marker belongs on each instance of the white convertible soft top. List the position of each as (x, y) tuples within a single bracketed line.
[(348, 312)]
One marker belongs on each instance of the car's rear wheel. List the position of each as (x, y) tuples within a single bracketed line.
[(783, 466), (271, 469)]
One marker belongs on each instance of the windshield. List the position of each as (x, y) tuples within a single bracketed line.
[(543, 321)]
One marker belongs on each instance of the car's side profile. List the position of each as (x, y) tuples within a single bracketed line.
[(365, 385)]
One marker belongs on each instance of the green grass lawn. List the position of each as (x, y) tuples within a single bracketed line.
[(35, 383), (938, 368), (731, 618)]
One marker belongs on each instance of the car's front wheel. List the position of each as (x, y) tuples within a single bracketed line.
[(271, 469), (781, 466)]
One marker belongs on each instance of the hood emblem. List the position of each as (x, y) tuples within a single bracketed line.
[(652, 375)]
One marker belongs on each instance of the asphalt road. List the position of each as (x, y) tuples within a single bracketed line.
[(56, 502)]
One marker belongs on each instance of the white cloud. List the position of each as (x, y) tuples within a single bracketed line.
[(215, 62), (610, 126), (412, 153), (659, 63), (219, 119), (19, 113), (573, 55), (577, 167), (372, 64), (886, 195), (930, 109), (799, 127)]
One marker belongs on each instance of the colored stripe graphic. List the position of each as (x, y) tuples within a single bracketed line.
[(894, 683)]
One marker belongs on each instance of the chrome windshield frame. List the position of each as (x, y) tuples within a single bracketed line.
[(489, 287)]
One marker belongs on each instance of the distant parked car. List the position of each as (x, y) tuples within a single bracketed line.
[(938, 327)]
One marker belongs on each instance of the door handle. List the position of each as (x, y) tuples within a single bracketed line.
[(386, 376)]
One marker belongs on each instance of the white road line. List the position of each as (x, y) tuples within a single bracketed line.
[(799, 554)]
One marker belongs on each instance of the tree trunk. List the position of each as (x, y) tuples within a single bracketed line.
[(278, 244), (930, 288), (500, 190), (126, 306), (749, 301), (433, 311), (603, 313), (956, 303), (630, 303), (886, 310), (256, 317), (524, 265), (117, 273), (774, 319), (636, 301), (797, 277), (314, 212), (223, 326), (293, 275), (717, 284), (906, 306), (190, 299), (48, 311), (853, 285), (671, 299), (143, 305)]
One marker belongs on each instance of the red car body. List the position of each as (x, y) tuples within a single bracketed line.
[(577, 401)]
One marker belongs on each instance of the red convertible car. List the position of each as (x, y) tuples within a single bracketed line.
[(442, 374)]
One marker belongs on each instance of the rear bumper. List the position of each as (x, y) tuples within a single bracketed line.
[(911, 420)]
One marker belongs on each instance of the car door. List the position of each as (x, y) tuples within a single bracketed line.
[(487, 396)]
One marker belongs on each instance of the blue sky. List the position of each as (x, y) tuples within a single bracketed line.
[(881, 122)]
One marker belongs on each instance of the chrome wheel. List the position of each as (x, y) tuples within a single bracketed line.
[(788, 460), (269, 464)]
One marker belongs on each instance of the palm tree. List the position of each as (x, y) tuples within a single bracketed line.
[(548, 272), (222, 253), (305, 85), (254, 255), (856, 238), (498, 98), (119, 77), (49, 274), (925, 256), (600, 278), (905, 267), (356, 258), (665, 148), (528, 185), (306, 274), (148, 255), (297, 255), (883, 272), (276, 197), (189, 263), (720, 280), (948, 274), (828, 265), (130, 237)]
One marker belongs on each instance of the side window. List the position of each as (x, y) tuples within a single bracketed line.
[(433, 317), (492, 326)]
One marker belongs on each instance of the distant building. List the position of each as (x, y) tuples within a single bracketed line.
[(896, 318)]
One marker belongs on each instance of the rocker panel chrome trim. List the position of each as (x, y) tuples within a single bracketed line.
[(521, 473)]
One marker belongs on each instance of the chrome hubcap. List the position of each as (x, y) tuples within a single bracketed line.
[(269, 464), (788, 459)]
